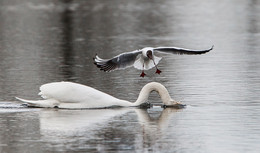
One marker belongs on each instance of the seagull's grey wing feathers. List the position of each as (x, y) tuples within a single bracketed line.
[(120, 61), (175, 50)]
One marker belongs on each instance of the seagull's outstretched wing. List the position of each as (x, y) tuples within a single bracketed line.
[(120, 61), (175, 50)]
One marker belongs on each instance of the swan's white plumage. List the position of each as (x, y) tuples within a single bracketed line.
[(74, 96), (40, 103), (72, 92)]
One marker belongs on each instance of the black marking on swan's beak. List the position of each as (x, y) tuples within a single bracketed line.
[(176, 106)]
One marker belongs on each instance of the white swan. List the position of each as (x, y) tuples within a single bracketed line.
[(71, 95)]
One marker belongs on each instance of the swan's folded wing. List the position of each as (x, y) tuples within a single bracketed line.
[(176, 50), (68, 92), (120, 61), (65, 91)]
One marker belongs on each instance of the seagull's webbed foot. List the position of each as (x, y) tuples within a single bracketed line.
[(158, 71), (142, 74)]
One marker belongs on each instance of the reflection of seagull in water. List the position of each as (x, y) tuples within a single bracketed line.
[(143, 59)]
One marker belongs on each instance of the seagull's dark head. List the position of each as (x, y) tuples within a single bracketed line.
[(149, 54)]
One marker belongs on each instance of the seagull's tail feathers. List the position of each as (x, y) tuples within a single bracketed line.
[(138, 64), (141, 64), (157, 60)]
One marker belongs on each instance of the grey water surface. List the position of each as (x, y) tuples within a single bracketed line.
[(45, 41)]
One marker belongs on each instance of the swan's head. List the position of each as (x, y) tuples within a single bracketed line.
[(148, 52), (174, 104)]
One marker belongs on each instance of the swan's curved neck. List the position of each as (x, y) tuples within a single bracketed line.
[(153, 86)]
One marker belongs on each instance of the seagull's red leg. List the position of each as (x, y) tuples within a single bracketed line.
[(157, 70), (142, 74)]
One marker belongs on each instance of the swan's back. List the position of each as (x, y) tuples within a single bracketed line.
[(68, 92)]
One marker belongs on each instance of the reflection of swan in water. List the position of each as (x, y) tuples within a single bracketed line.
[(69, 122), (157, 124), (56, 126), (103, 130), (74, 96)]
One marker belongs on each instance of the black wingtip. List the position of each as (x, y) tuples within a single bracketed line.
[(95, 56), (104, 64), (212, 47), (209, 49)]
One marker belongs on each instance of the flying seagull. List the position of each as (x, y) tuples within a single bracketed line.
[(142, 59)]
